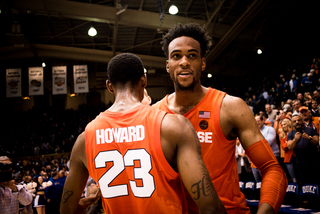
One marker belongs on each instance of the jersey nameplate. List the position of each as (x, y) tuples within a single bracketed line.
[(120, 135)]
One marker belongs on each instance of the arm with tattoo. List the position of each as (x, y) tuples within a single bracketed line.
[(76, 181), (194, 173)]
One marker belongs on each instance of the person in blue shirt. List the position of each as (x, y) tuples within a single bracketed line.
[(304, 141), (53, 194), (61, 178), (270, 135), (307, 83)]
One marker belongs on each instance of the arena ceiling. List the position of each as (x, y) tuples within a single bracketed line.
[(55, 31)]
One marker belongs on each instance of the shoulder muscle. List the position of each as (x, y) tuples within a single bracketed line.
[(236, 115)]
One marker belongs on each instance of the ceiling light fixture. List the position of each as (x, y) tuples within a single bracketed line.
[(259, 51), (173, 10), (92, 31), (44, 64), (209, 75)]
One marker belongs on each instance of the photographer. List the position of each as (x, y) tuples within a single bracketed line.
[(10, 194)]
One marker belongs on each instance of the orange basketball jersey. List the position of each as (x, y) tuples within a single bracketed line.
[(218, 152), (125, 158)]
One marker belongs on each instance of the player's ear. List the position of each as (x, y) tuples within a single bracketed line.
[(203, 63), (167, 66), (143, 81), (109, 86)]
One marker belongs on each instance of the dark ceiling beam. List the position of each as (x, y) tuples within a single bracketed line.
[(215, 12), (188, 6), (72, 53), (237, 27), (115, 31), (99, 13)]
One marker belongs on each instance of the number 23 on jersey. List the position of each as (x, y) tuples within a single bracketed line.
[(119, 164)]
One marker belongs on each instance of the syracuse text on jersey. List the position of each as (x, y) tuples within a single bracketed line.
[(205, 137), (120, 135)]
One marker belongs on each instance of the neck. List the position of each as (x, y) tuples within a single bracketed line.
[(189, 97), (125, 100)]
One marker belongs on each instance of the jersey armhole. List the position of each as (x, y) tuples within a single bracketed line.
[(159, 151), (219, 129)]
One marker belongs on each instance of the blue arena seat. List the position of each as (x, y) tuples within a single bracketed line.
[(291, 197), (308, 200), (241, 186), (249, 189)]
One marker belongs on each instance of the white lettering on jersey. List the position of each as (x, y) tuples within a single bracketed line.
[(120, 135), (205, 137)]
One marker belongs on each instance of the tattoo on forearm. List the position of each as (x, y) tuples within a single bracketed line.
[(203, 187), (67, 194)]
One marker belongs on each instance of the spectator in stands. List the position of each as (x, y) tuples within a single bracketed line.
[(307, 98), (316, 95), (295, 106), (307, 83), (304, 141), (244, 168), (280, 116), (286, 90), (270, 98), (300, 97), (39, 201), (293, 85), (277, 127), (10, 194), (270, 135), (272, 113), (306, 117), (287, 108), (314, 109), (62, 178), (53, 194), (289, 157), (316, 121), (265, 120)]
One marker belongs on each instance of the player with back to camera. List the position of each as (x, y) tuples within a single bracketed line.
[(218, 119), (134, 151)]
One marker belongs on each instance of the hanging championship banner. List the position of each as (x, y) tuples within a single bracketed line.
[(59, 80), (80, 79), (13, 82), (35, 81)]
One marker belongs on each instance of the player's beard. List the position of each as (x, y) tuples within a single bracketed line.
[(180, 87)]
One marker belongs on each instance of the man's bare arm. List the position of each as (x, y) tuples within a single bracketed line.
[(76, 181), (192, 170), (235, 113)]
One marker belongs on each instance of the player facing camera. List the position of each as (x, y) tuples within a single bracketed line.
[(5, 169)]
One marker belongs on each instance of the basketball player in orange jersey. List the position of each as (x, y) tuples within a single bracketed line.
[(134, 151), (218, 120)]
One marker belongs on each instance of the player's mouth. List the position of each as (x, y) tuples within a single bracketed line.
[(185, 74)]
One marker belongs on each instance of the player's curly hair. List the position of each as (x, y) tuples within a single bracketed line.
[(193, 30), (124, 68)]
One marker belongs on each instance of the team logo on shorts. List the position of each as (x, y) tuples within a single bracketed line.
[(203, 124)]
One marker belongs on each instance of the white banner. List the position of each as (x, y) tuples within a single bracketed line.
[(80, 79), (13, 82), (59, 80), (35, 81)]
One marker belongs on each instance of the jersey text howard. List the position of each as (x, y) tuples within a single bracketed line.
[(120, 135)]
